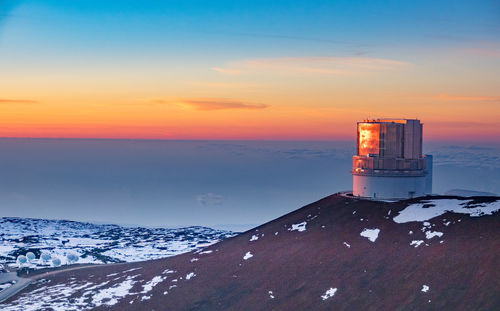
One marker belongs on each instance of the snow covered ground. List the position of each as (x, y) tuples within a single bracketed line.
[(428, 209), (92, 295), (95, 243)]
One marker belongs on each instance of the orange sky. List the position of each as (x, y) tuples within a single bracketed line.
[(180, 119), (73, 83)]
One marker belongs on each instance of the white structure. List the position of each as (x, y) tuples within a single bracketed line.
[(389, 163)]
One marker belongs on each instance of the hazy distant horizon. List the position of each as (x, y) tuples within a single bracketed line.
[(347, 139), (208, 183)]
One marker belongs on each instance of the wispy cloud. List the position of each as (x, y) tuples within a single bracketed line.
[(449, 97), (208, 104), (17, 101), (313, 65)]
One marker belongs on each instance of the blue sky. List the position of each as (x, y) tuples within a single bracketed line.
[(243, 28)]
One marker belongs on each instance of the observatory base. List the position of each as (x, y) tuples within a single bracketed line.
[(389, 187)]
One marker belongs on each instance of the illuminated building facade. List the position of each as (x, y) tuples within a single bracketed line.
[(389, 163)]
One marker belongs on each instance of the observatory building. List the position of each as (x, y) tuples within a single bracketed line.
[(389, 163)]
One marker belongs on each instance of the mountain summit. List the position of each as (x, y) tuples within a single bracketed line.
[(339, 253)]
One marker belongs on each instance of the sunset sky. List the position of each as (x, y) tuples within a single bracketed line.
[(247, 69)]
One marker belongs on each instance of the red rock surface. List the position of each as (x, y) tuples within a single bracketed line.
[(462, 272)]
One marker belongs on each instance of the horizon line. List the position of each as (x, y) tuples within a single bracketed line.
[(236, 139)]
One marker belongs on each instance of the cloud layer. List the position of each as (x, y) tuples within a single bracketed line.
[(209, 104), (17, 101)]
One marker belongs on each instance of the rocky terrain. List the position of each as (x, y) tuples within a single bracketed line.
[(339, 253)]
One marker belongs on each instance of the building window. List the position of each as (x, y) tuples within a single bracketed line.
[(368, 138)]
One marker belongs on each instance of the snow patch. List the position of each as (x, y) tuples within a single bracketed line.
[(416, 243), (370, 234), (435, 208), (130, 270), (271, 294), (431, 234), (425, 288), (149, 285), (110, 296), (329, 293), (254, 238), (190, 275), (247, 256), (298, 227), (347, 245)]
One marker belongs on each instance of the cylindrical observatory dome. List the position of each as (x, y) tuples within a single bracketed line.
[(389, 163)]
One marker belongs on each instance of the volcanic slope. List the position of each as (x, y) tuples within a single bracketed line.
[(340, 253)]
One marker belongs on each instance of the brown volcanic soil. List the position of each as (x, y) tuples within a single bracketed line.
[(462, 272)]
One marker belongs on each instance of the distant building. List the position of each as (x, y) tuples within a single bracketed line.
[(389, 163)]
